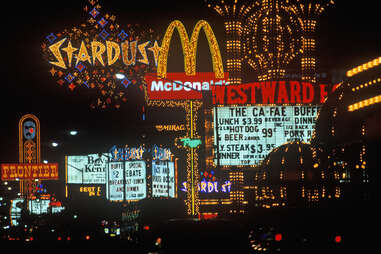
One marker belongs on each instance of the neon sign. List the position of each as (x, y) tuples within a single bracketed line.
[(106, 54), (192, 143), (210, 187), (210, 184), (189, 46), (172, 127), (24, 171), (270, 92), (90, 55), (91, 190), (137, 153)]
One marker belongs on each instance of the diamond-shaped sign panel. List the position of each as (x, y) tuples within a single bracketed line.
[(51, 38), (102, 22), (69, 78), (122, 35), (80, 67), (104, 34), (94, 13), (126, 82)]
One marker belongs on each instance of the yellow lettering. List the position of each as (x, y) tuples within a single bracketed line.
[(45, 173), (126, 60), (36, 169), (97, 49), (20, 171), (27, 172), (69, 51), (112, 47), (143, 52), (83, 55), (54, 171), (13, 173), (155, 50), (55, 49), (4, 173)]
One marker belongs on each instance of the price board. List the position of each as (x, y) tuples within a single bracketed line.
[(247, 134)]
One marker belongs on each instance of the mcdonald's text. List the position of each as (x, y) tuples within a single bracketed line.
[(179, 86)]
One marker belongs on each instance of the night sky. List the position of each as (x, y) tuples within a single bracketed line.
[(348, 35)]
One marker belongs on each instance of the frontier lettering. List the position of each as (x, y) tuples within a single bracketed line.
[(23, 171)]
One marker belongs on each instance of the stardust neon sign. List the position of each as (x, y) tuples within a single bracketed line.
[(210, 187), (106, 53)]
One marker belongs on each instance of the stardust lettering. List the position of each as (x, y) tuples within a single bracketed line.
[(103, 54)]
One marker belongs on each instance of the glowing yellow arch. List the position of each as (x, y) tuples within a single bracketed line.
[(190, 48)]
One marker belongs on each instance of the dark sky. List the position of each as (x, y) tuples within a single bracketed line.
[(348, 35)]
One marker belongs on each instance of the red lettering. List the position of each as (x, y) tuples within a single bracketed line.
[(253, 86), (323, 93), (242, 94), (268, 92), (295, 92), (308, 97), (218, 94), (282, 93), (230, 95)]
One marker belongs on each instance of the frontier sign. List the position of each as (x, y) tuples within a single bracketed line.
[(29, 171)]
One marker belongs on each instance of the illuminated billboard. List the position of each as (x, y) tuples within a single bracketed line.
[(115, 188), (126, 180), (163, 179), (87, 169), (39, 206), (135, 180), (24, 171), (15, 211), (247, 134)]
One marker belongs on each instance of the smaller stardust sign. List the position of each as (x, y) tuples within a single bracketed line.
[(210, 187)]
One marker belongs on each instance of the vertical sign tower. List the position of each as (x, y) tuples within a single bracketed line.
[(191, 105), (29, 147)]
